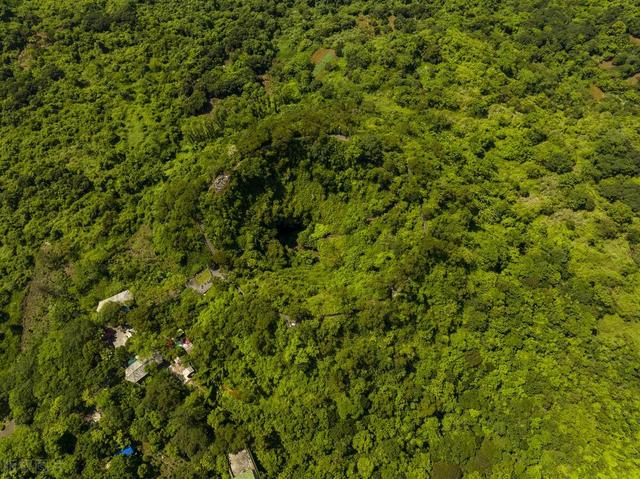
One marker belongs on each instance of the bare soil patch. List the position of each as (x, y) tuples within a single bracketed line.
[(25, 58), (634, 80), (7, 428), (38, 41), (267, 81), (340, 137), (606, 65), (596, 93), (363, 22)]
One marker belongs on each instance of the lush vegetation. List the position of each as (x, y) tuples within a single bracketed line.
[(444, 196)]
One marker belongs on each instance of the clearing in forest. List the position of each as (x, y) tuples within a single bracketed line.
[(323, 58), (323, 55), (363, 22), (613, 326), (634, 80), (596, 93), (202, 282), (340, 137), (27, 56), (7, 428), (267, 82), (606, 65)]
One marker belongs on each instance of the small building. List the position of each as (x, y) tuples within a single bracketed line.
[(123, 298), (180, 341), (242, 465), (183, 370), (185, 344), (138, 368)]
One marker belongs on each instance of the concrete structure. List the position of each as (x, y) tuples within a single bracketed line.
[(242, 465), (183, 370), (185, 344), (138, 369), (203, 281), (122, 298), (122, 336)]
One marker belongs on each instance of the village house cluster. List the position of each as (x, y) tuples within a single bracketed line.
[(241, 464)]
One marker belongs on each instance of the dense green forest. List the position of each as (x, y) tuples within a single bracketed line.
[(423, 218)]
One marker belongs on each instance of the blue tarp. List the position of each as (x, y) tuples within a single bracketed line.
[(127, 451)]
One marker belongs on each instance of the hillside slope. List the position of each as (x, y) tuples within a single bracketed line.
[(422, 219)]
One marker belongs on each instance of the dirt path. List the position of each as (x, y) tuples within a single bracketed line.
[(207, 241)]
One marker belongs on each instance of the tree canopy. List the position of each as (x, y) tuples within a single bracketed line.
[(418, 225)]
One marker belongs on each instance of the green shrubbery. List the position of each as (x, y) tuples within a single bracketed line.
[(429, 237)]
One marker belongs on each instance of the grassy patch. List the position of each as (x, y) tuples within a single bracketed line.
[(596, 93), (204, 277), (323, 59), (323, 55), (615, 327)]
